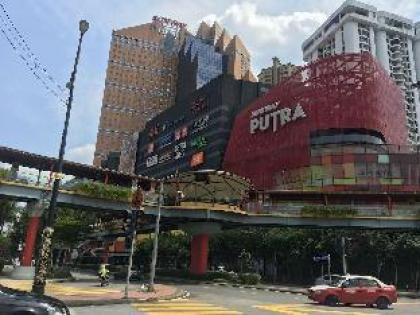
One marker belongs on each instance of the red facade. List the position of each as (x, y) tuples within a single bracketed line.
[(352, 91)]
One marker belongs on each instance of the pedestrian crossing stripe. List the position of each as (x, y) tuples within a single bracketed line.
[(304, 309), (185, 307), (56, 289)]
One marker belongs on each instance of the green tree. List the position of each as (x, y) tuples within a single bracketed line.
[(72, 225), (174, 251), (7, 213), (17, 232)]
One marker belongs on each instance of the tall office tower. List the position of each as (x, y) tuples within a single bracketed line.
[(140, 83), (239, 59), (395, 41), (277, 73), (149, 66), (199, 63)]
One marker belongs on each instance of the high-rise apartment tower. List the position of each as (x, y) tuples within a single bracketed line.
[(277, 72), (395, 41)]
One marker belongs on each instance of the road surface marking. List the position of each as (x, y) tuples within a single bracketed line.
[(185, 307), (58, 289), (303, 309)]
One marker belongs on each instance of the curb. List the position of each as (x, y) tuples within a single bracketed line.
[(267, 289), (409, 295), (80, 303)]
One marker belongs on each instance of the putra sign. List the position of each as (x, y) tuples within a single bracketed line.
[(269, 117)]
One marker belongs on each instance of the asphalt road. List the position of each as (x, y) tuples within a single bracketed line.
[(212, 300)]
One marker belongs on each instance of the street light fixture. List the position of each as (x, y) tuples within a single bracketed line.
[(45, 250)]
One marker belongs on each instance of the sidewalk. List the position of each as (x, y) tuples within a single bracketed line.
[(90, 293)]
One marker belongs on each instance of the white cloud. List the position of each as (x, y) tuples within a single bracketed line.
[(278, 28), (267, 35), (82, 154)]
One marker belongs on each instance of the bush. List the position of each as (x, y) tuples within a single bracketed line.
[(59, 273), (249, 278), (327, 212), (208, 276), (86, 266), (100, 190), (221, 275), (1, 265), (4, 173), (122, 275)]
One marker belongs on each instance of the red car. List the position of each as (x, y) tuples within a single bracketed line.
[(355, 290)]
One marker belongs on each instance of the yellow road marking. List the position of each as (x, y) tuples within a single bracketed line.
[(56, 289), (303, 309), (181, 307), (185, 307), (170, 304), (209, 312)]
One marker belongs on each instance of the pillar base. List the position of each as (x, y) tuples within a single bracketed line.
[(199, 254), (23, 273)]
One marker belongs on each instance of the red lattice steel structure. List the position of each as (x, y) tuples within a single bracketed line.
[(349, 91)]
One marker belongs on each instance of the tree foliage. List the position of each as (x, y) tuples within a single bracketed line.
[(103, 191), (71, 226), (7, 213), (286, 254), (174, 251)]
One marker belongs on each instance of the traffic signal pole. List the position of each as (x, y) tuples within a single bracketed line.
[(130, 258)]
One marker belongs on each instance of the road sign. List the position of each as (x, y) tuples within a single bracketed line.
[(321, 258)]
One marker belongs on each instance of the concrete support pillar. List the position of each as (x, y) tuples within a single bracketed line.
[(199, 254), (200, 244), (372, 41), (351, 37), (31, 232), (338, 38), (382, 49)]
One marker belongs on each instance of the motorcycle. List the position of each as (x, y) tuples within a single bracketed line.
[(104, 280), (103, 274)]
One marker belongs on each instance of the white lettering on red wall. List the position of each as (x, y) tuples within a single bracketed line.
[(269, 117)]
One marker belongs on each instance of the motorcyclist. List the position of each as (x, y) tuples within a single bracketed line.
[(103, 274)]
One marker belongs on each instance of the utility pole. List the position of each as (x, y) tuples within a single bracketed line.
[(133, 214), (40, 278), (343, 254), (329, 266), (155, 241)]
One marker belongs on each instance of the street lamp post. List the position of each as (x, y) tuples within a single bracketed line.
[(156, 241), (45, 250)]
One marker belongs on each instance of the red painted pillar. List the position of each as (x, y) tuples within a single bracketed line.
[(199, 253), (30, 239)]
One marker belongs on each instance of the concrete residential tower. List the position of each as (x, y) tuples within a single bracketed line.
[(394, 40), (277, 72)]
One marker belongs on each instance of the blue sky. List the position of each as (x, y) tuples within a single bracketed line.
[(31, 118)]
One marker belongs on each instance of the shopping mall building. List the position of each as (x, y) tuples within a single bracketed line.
[(337, 124)]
